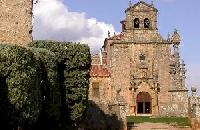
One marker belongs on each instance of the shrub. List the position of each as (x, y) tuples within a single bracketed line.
[(20, 77), (44, 85), (73, 73)]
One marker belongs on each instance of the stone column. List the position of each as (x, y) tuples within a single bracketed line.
[(123, 110)]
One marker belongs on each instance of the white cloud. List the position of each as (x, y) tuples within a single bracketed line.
[(53, 21)]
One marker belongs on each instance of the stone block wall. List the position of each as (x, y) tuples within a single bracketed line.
[(178, 104), (195, 123), (16, 21), (194, 109), (194, 104), (104, 89), (120, 79)]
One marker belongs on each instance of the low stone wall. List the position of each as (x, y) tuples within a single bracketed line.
[(195, 123)]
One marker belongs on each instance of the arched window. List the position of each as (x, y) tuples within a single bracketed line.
[(146, 23), (136, 23)]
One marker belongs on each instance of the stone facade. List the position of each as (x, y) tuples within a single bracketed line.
[(194, 104), (103, 113), (100, 82), (16, 21), (194, 109), (145, 69)]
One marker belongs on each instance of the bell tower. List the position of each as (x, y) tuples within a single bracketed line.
[(140, 16)]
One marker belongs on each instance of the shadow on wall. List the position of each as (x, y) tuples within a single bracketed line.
[(96, 119)]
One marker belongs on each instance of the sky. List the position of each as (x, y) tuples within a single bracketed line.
[(88, 21)]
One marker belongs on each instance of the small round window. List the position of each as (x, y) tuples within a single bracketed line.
[(142, 57)]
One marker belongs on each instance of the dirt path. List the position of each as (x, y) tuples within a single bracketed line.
[(157, 126)]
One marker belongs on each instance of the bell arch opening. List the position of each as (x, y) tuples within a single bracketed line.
[(144, 103), (146, 23), (136, 23)]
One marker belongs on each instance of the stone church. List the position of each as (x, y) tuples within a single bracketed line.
[(139, 68)]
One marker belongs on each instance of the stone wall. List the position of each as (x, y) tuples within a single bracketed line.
[(194, 104), (194, 109), (105, 90), (195, 123), (120, 68), (16, 21), (104, 113)]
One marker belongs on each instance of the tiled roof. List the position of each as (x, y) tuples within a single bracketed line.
[(99, 71)]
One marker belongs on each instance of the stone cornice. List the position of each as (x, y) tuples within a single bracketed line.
[(132, 42), (178, 90)]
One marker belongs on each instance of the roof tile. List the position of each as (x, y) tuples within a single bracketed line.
[(99, 71)]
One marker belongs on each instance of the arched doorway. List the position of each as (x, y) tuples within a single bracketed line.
[(144, 103)]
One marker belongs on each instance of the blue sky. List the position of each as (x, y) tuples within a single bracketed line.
[(101, 15)]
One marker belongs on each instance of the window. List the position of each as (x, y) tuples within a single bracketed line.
[(95, 90), (142, 57), (136, 23), (146, 23), (143, 73)]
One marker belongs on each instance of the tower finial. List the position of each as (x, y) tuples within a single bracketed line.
[(152, 3), (130, 3), (108, 33), (175, 30), (168, 36)]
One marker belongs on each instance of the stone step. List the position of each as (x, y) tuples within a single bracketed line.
[(156, 126)]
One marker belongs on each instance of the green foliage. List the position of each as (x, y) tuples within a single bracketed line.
[(49, 84), (20, 69), (180, 121), (45, 83), (74, 63)]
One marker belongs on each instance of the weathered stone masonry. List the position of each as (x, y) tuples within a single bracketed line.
[(146, 72), (16, 21)]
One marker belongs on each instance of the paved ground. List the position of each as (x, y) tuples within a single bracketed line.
[(157, 126)]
